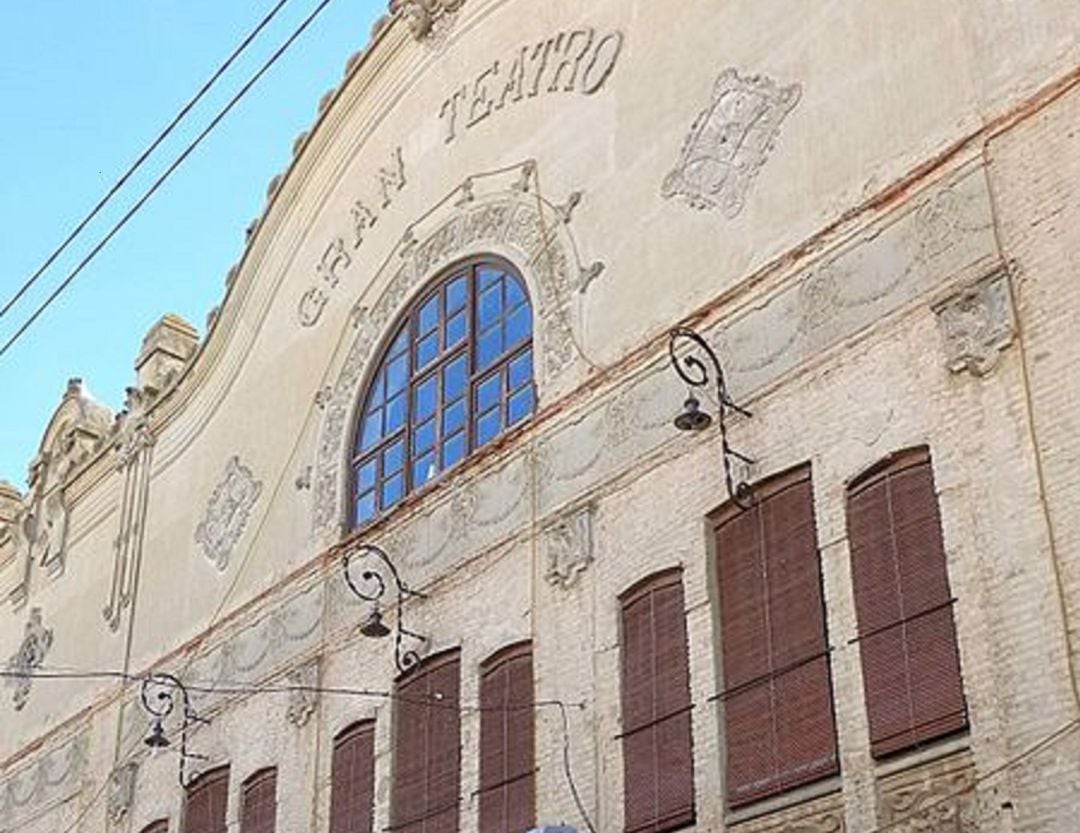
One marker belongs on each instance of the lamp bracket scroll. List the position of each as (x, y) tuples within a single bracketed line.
[(375, 581), (161, 694), (700, 368)]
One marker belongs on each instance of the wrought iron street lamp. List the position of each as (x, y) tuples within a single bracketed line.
[(374, 583), (159, 697), (700, 372)]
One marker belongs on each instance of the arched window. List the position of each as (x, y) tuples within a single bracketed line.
[(457, 373)]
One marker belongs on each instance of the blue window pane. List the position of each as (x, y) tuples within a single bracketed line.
[(424, 399), (456, 329), (519, 406), (392, 490), (397, 375), (429, 315), (393, 458), (521, 370), (487, 277), (457, 293), (489, 348), (455, 377), (518, 326), (427, 350), (489, 392), (424, 469), (371, 433), (400, 343), (365, 476), (488, 426), (453, 449), (490, 306), (395, 414), (377, 396), (515, 295), (424, 437), (453, 417), (365, 507)]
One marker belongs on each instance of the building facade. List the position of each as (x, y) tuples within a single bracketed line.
[(849, 603)]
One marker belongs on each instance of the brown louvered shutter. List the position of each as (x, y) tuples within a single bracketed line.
[(258, 809), (907, 637), (352, 779), (206, 803), (507, 767), (658, 763), (159, 826), (427, 748), (779, 727)]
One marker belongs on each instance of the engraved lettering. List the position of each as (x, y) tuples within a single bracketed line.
[(514, 86), (571, 60), (363, 218), (449, 113), (392, 177), (539, 59), (333, 261), (603, 62), (481, 104), (311, 306)]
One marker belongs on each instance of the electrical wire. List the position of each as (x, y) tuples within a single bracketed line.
[(164, 134), (64, 284)]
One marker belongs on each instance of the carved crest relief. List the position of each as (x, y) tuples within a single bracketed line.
[(977, 324), (227, 513), (730, 141), (569, 544), (303, 697), (425, 17), (30, 656)]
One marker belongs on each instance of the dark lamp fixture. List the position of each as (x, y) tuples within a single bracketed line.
[(156, 739), (373, 585), (160, 695), (374, 626), (692, 418), (699, 368)]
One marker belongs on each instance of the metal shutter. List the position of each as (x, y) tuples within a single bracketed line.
[(206, 803), (352, 779), (258, 809), (427, 748), (780, 730), (907, 638), (159, 826), (507, 761), (658, 765)]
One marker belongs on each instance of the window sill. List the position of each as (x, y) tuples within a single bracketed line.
[(919, 756)]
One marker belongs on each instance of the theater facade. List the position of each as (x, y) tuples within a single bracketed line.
[(624, 415)]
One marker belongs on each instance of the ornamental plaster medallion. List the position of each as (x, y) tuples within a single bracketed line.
[(569, 543), (303, 698), (730, 141), (30, 656), (227, 513), (977, 324)]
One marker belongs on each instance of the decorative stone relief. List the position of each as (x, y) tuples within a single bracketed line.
[(730, 141), (39, 530), (569, 545), (423, 15), (977, 324), (52, 778), (227, 512), (504, 213), (820, 816), (936, 798), (303, 699), (121, 791), (31, 655)]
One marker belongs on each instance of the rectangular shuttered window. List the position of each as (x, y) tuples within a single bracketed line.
[(907, 638), (352, 779), (658, 764), (258, 809), (206, 803), (507, 764), (777, 701), (427, 748)]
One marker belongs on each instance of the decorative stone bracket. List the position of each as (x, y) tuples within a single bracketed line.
[(568, 542), (422, 15), (977, 323)]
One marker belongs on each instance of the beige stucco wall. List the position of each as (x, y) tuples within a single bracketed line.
[(927, 147)]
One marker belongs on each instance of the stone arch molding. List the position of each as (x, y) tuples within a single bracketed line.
[(504, 213)]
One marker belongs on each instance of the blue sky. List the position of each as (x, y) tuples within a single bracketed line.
[(85, 87)]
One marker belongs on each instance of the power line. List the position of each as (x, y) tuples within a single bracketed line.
[(82, 224), (165, 176)]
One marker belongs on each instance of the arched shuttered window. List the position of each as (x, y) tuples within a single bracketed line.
[(352, 779), (426, 786), (507, 760), (780, 731), (457, 373), (658, 761), (206, 802), (159, 826), (258, 810), (907, 637)]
